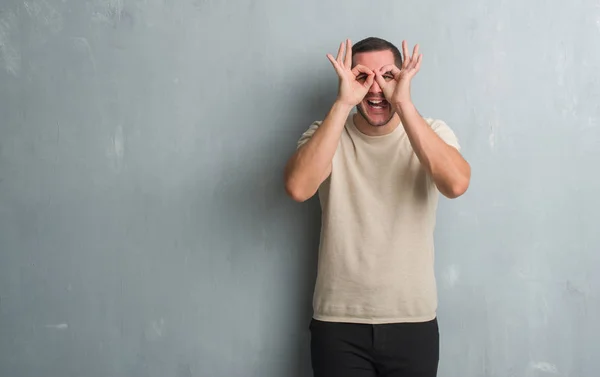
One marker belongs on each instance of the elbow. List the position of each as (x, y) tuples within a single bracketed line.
[(457, 190), (459, 186), (296, 192), (293, 186)]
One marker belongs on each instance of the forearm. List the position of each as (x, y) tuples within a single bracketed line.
[(311, 164), (449, 170)]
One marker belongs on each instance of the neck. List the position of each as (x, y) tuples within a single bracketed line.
[(370, 130)]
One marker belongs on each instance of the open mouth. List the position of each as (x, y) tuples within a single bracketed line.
[(377, 104)]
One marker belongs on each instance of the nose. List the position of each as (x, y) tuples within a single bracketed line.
[(375, 88)]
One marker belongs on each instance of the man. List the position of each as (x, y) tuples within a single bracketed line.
[(378, 173)]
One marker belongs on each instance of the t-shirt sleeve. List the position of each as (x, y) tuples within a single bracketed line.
[(445, 133), (308, 134)]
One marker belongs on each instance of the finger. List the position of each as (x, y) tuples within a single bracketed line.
[(380, 80), (361, 69), (416, 51), (334, 63), (392, 68), (405, 48), (418, 65), (348, 61), (369, 81), (414, 57), (339, 54), (405, 53)]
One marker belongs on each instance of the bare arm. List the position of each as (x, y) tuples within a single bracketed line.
[(311, 163), (449, 170)]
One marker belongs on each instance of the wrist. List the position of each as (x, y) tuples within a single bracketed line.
[(342, 106), (404, 107)]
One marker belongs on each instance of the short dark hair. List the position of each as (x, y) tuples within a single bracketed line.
[(376, 44)]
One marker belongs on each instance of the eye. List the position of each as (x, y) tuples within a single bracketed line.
[(388, 76), (361, 77)]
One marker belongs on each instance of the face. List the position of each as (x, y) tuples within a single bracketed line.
[(374, 108)]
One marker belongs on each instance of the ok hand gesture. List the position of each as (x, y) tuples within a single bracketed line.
[(352, 90), (397, 90)]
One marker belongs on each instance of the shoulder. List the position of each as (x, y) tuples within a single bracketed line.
[(313, 127), (444, 131), (436, 123), (307, 134)]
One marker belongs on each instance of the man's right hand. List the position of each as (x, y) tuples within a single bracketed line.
[(313, 161), (352, 88)]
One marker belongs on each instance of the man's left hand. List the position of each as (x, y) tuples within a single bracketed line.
[(395, 82)]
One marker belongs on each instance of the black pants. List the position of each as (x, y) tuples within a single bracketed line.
[(386, 350)]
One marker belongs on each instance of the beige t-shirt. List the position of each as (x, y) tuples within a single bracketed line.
[(376, 254)]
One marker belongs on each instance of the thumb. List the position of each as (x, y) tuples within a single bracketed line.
[(369, 80), (380, 80)]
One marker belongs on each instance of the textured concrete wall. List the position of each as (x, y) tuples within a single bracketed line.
[(144, 230)]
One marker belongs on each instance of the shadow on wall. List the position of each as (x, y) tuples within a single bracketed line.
[(275, 236)]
